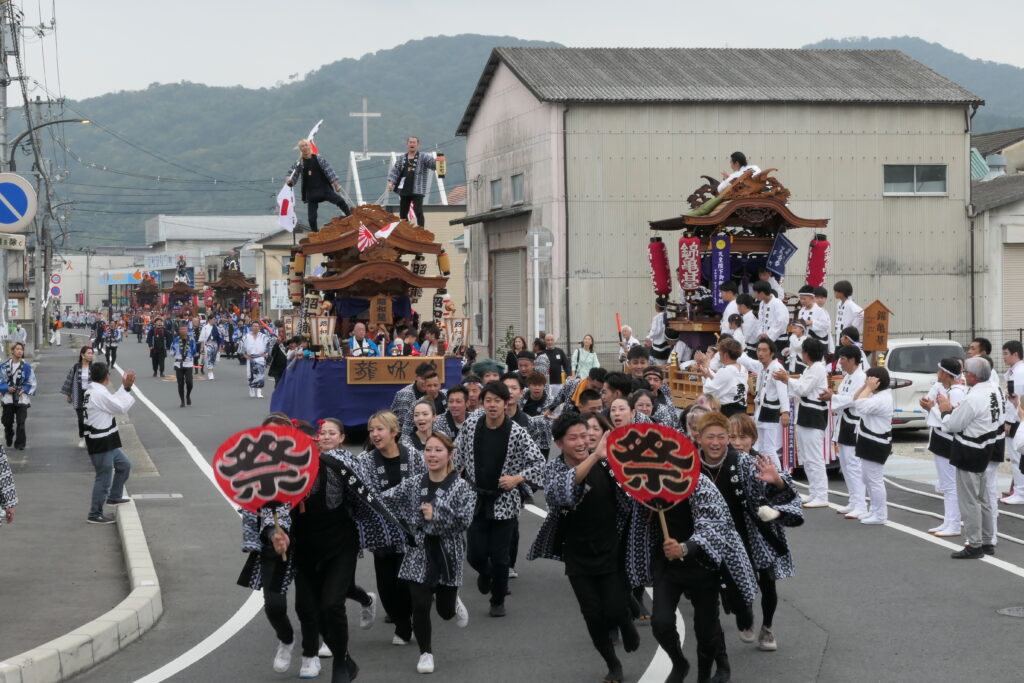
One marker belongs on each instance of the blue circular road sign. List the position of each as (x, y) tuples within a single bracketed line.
[(17, 202)]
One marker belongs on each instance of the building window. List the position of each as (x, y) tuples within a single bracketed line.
[(211, 273), (496, 194), (517, 189), (914, 179)]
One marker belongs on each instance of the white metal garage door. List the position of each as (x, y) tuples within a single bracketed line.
[(508, 272), (1013, 286)]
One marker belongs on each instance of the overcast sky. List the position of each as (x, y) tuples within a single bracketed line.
[(110, 45)]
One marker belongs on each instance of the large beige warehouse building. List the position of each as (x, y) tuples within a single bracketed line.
[(579, 148)]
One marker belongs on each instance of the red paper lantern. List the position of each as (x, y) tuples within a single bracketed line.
[(817, 261), (660, 270), (689, 263)]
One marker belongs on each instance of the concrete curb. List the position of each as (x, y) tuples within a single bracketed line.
[(89, 644)]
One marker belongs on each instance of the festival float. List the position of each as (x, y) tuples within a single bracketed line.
[(181, 293), (147, 293), (233, 290), (727, 235), (374, 267)]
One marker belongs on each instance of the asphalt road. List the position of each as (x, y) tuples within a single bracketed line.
[(867, 604)]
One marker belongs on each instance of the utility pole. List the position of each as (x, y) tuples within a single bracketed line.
[(6, 35)]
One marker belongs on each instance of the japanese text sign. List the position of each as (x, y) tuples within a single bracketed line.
[(264, 465), (388, 370), (656, 465)]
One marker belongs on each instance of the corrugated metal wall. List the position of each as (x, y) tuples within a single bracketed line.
[(632, 163)]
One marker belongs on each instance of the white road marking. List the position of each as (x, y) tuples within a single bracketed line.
[(928, 494), (924, 535), (660, 665), (249, 609)]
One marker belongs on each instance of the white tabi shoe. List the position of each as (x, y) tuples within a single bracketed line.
[(259, 393), (209, 375), (368, 614), (950, 531), (461, 613), (426, 663), (816, 503), (252, 393), (804, 498), (1013, 499), (283, 657), (937, 529), (856, 513), (310, 667), (844, 510), (872, 519), (325, 652)]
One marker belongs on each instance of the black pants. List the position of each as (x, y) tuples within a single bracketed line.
[(487, 551), (80, 412), (602, 601), (275, 605), (184, 377), (14, 413), (330, 196), (97, 345), (769, 602), (158, 362), (422, 596), (394, 592), (320, 592), (416, 201), (138, 336), (111, 356), (513, 546), (703, 595)]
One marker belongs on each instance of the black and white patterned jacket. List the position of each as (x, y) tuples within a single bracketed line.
[(8, 495), (256, 532), (523, 459), (73, 388), (768, 547), (666, 415), (453, 513), (375, 475), (565, 395), (713, 533), (344, 479), (443, 424), (563, 494), (422, 163)]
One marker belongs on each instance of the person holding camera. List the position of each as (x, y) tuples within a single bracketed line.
[(17, 386)]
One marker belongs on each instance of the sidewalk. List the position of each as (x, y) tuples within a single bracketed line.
[(58, 571)]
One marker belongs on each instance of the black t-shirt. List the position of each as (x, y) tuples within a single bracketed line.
[(393, 470), (680, 527), (491, 450), (314, 180), (533, 408), (320, 533), (409, 175), (591, 540)]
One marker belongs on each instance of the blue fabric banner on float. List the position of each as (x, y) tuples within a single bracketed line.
[(721, 269), (778, 257)]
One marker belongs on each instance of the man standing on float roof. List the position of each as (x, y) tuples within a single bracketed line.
[(408, 177), (319, 182)]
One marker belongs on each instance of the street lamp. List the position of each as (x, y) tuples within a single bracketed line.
[(17, 140)]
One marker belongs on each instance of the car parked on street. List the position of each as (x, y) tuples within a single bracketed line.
[(915, 360)]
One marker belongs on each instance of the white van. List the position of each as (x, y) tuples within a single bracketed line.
[(915, 361)]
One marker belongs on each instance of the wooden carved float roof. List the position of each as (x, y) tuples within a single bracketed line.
[(180, 289), (343, 233), (379, 272), (232, 279), (746, 211)]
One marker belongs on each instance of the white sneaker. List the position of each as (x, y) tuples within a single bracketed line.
[(283, 657), (1014, 499), (259, 393), (367, 615), (512, 573), (872, 519), (426, 663), (398, 640), (252, 393), (81, 443), (325, 651), (747, 636), (310, 667), (461, 613), (209, 375)]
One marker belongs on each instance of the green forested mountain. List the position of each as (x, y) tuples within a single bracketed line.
[(1000, 85), (244, 137), (158, 150)]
